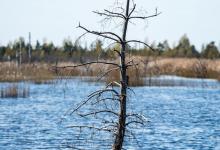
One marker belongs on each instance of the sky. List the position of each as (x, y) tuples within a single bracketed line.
[(54, 20)]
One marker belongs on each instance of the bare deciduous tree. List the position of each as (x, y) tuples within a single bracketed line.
[(113, 98)]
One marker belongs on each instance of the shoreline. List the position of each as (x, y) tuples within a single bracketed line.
[(183, 67)]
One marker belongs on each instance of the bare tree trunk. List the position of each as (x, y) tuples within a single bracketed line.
[(122, 117), (121, 125)]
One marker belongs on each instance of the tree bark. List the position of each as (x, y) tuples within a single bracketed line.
[(122, 118)]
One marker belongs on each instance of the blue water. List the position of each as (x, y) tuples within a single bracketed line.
[(179, 117)]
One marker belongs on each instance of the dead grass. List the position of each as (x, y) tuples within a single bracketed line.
[(135, 77), (14, 91), (147, 67), (10, 72), (195, 68)]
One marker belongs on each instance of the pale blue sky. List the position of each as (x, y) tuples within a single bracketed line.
[(56, 19)]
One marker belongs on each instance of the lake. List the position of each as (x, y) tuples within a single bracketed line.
[(184, 116)]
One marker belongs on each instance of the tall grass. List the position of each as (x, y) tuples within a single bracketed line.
[(193, 68), (135, 77), (11, 72), (147, 67), (15, 91)]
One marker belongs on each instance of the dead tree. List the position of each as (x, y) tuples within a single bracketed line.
[(120, 120)]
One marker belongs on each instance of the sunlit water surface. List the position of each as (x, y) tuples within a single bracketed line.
[(180, 117)]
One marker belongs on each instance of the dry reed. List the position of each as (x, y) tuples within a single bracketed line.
[(11, 72), (147, 67), (14, 91)]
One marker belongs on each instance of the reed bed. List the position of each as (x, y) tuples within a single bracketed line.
[(15, 91), (11, 72), (143, 67), (135, 77), (193, 68)]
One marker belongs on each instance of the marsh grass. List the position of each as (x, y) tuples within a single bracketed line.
[(191, 68), (148, 67), (136, 77), (11, 72), (15, 91), (194, 68)]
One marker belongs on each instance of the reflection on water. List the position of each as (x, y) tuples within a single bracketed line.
[(182, 117)]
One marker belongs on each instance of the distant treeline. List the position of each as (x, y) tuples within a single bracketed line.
[(73, 51)]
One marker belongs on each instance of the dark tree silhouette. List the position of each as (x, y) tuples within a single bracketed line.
[(112, 99)]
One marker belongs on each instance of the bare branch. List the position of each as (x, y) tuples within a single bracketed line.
[(107, 35), (115, 13), (92, 95), (98, 112), (114, 83), (146, 17), (88, 63), (105, 99), (92, 127), (107, 14), (107, 72), (134, 122), (99, 92), (109, 122), (132, 10), (81, 105), (132, 65), (137, 116), (131, 90), (119, 54), (137, 41), (78, 39)]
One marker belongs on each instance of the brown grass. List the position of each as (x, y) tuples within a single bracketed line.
[(10, 72), (147, 67), (195, 68), (14, 91)]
